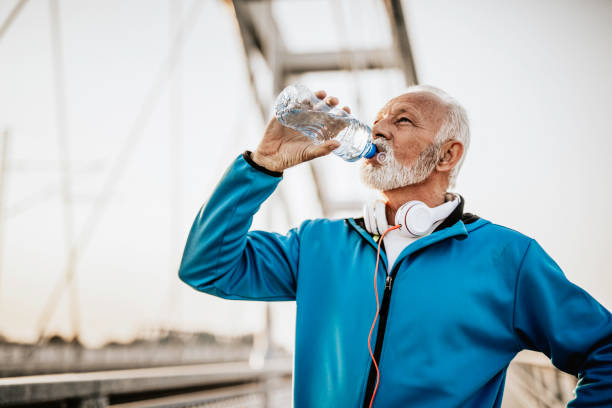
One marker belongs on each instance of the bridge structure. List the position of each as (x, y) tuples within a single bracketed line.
[(531, 381), (236, 384)]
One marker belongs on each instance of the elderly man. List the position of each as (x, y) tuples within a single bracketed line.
[(456, 300)]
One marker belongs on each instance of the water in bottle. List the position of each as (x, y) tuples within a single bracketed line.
[(298, 108)]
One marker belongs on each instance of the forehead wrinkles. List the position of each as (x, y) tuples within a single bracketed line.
[(422, 106), (397, 108), (410, 112)]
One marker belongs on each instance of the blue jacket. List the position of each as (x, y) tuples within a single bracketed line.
[(462, 302)]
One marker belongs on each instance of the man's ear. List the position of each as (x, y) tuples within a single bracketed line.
[(451, 153)]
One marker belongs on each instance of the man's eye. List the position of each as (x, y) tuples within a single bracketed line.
[(404, 119)]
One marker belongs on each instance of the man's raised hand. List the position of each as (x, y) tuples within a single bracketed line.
[(282, 147)]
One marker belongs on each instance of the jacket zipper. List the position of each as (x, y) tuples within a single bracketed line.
[(380, 335)]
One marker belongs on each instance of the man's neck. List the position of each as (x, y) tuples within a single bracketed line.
[(431, 191)]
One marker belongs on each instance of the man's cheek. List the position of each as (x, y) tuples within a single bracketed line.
[(402, 158)]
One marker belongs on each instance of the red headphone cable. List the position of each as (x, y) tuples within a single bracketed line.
[(377, 311)]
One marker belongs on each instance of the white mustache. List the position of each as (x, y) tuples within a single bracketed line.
[(382, 145)]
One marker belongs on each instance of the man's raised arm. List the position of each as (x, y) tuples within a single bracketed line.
[(222, 257)]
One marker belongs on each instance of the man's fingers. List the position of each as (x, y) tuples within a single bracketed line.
[(320, 94), (329, 100), (346, 109), (332, 101)]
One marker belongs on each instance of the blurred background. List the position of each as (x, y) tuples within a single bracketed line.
[(117, 119)]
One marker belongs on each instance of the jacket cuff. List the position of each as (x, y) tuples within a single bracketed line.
[(247, 157)]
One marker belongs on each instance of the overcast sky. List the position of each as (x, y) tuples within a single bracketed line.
[(533, 76)]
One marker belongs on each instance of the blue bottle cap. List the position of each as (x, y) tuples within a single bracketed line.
[(371, 151)]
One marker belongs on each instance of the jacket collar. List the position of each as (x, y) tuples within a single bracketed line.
[(457, 231), (453, 217), (452, 227)]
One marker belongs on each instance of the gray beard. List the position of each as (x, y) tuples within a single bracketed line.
[(393, 174)]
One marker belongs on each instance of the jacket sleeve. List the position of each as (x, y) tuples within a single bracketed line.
[(558, 318), (222, 258)]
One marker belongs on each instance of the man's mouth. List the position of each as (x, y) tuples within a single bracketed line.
[(381, 156)]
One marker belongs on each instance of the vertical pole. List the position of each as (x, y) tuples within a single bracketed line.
[(176, 137), (64, 153), (3, 168)]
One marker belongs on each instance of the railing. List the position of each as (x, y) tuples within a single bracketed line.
[(178, 386), (532, 381)]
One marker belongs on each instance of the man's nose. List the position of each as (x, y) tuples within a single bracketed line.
[(378, 130)]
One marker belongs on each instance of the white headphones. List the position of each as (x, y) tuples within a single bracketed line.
[(415, 217)]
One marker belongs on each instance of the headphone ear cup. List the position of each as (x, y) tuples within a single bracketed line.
[(415, 218), (369, 216), (375, 217), (419, 219), (400, 217), (380, 212)]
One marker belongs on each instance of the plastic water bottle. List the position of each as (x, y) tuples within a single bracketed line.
[(298, 108)]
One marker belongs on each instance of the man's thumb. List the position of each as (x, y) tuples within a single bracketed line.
[(325, 148)]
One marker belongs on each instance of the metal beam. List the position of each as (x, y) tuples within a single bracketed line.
[(260, 35), (64, 158), (262, 39), (330, 61), (250, 43), (400, 40), (11, 17)]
